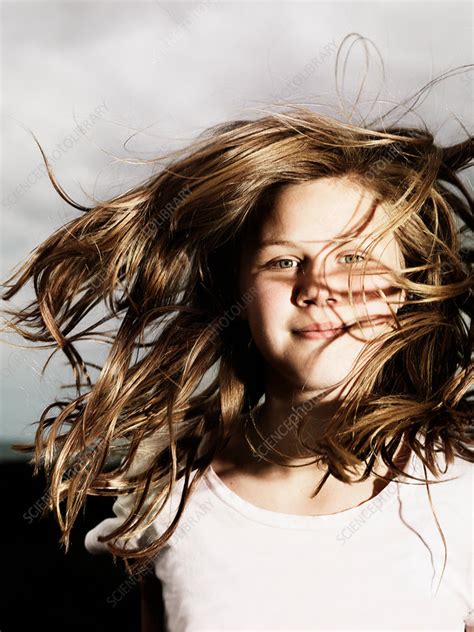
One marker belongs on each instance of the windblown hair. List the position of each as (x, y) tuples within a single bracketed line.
[(163, 258)]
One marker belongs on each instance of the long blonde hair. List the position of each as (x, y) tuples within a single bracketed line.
[(160, 256)]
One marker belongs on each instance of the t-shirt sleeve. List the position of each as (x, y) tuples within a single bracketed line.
[(121, 509), (123, 505)]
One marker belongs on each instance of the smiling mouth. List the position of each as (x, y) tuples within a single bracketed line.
[(316, 334), (324, 333)]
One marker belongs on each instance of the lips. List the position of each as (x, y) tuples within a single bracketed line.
[(329, 327)]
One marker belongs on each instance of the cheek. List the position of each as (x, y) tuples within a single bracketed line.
[(271, 300), (374, 294), (270, 311)]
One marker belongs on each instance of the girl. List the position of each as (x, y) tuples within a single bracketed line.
[(317, 273)]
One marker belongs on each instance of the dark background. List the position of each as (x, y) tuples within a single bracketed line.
[(44, 587)]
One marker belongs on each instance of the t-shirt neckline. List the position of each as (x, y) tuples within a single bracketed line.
[(299, 521)]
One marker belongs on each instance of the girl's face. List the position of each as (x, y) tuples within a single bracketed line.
[(305, 282)]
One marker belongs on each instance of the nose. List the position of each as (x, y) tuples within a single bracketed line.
[(314, 288)]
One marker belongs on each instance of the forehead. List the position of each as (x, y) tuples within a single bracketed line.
[(322, 211)]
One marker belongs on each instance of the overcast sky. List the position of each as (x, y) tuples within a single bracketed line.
[(85, 77)]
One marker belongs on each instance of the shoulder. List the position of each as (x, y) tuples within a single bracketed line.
[(121, 510), (452, 491), (458, 470), (456, 473)]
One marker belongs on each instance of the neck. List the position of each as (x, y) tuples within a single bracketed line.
[(274, 437), (272, 429)]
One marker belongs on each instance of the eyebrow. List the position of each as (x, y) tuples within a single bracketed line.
[(285, 242)]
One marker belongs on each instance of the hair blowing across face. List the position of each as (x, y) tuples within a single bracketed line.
[(161, 260)]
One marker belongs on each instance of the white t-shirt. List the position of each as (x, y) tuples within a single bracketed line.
[(234, 566)]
